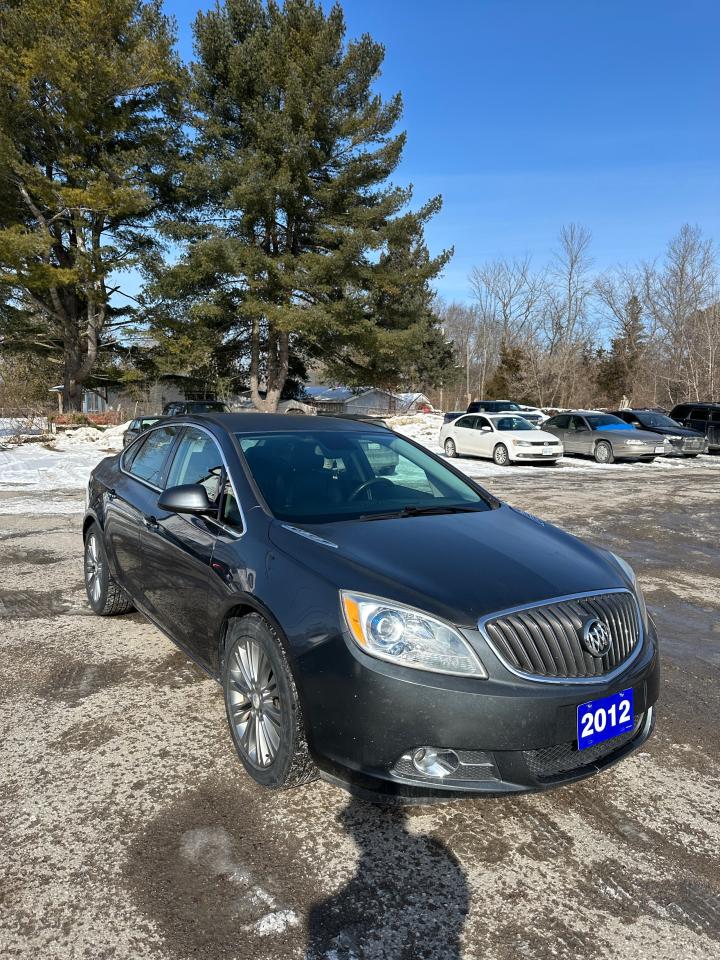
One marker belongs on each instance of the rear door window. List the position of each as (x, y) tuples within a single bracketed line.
[(148, 461), (466, 423)]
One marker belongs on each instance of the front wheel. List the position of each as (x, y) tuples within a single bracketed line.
[(603, 452), (450, 448), (263, 708), (103, 593), (501, 455)]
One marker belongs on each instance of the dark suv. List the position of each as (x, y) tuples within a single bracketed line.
[(492, 406), (703, 417), (183, 408), (683, 441)]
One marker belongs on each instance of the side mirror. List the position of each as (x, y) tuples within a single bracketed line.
[(486, 429), (187, 498)]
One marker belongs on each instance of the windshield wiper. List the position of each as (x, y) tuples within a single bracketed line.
[(412, 511)]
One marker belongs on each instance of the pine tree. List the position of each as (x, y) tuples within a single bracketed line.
[(294, 243), (618, 366), (90, 104), (507, 379)]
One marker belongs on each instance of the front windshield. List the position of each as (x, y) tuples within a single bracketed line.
[(656, 420), (208, 407), (599, 420), (319, 476), (512, 423)]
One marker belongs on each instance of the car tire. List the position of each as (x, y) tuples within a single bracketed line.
[(603, 452), (450, 448), (105, 596), (501, 455), (263, 708)]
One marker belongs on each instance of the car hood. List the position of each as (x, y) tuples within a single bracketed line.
[(458, 566), (678, 432), (631, 433)]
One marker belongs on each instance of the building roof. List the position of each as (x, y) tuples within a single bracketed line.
[(340, 394)]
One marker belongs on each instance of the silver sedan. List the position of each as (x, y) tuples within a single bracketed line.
[(604, 437)]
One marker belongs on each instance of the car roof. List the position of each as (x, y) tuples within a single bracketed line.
[(500, 413), (277, 422), (582, 413)]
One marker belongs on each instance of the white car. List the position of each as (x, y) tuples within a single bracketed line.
[(503, 437), (533, 414)]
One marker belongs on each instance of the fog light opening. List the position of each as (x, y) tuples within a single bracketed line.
[(434, 762)]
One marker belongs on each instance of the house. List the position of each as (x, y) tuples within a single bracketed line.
[(365, 401), (138, 399)]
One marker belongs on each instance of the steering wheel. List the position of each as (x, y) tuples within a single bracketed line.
[(367, 484)]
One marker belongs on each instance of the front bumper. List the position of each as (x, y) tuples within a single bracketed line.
[(367, 717), (624, 451)]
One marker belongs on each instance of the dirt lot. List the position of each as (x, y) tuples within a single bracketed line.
[(130, 831)]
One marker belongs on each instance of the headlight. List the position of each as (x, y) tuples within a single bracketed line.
[(408, 637), (522, 443), (632, 576), (635, 443), (672, 437)]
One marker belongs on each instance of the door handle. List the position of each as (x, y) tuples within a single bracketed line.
[(151, 523)]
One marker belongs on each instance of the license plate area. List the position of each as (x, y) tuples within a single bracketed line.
[(603, 719)]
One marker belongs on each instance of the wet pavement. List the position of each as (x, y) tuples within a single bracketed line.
[(129, 830)]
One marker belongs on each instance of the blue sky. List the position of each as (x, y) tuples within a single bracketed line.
[(527, 114)]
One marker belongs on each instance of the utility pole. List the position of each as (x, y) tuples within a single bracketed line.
[(467, 370)]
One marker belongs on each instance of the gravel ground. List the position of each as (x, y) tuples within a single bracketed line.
[(129, 830)]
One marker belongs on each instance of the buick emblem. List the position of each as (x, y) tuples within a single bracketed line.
[(596, 637)]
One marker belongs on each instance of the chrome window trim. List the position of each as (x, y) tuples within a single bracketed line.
[(567, 681), (234, 533)]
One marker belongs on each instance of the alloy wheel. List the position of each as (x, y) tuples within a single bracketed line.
[(255, 707), (450, 448), (501, 455), (93, 568)]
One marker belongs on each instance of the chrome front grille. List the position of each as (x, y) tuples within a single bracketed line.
[(545, 641)]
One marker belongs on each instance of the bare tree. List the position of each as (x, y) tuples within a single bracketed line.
[(567, 294), (682, 297), (509, 292), (474, 334)]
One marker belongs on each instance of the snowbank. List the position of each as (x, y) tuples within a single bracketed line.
[(110, 439)]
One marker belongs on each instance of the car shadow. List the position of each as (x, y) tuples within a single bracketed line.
[(407, 898)]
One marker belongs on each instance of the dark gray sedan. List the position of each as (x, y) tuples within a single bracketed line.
[(138, 426), (604, 437)]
